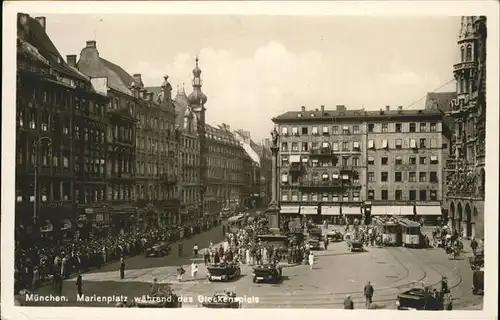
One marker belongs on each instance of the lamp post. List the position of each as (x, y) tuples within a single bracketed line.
[(36, 146)]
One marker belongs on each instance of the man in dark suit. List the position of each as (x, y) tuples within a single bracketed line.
[(348, 303), (79, 285), (122, 267), (368, 291)]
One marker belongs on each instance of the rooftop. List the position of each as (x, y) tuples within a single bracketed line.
[(343, 113), (439, 100)]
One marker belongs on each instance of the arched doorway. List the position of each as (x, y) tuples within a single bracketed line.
[(451, 217), (458, 218), (468, 221)]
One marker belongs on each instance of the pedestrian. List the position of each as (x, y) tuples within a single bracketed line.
[(368, 291), (180, 273), (194, 270), (473, 245), (449, 302), (206, 257), (195, 250), (326, 243), (122, 267), (155, 287), (79, 285), (311, 260), (223, 230), (36, 278), (180, 249), (348, 303)]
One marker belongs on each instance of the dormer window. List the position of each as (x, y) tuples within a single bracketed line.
[(312, 115), (299, 115)]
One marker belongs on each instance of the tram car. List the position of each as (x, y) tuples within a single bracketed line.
[(411, 232), (389, 231)]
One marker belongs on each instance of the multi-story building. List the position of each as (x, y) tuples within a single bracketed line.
[(60, 122), (229, 170), (351, 162), (465, 171), (255, 170), (117, 207), (157, 149)]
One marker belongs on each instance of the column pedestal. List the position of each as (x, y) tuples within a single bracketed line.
[(273, 212)]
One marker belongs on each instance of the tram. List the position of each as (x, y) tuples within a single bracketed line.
[(236, 222), (389, 229), (412, 235)]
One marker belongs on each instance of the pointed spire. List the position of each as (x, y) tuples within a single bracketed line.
[(196, 60), (183, 86)]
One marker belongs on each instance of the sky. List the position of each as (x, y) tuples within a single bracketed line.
[(257, 67)]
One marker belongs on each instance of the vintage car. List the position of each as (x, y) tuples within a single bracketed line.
[(419, 299), (335, 236), (158, 249), (222, 301), (266, 273), (223, 271), (164, 298), (355, 245), (314, 244)]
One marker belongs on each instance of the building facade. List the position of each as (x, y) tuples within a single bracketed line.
[(465, 170), (157, 142), (60, 122), (356, 163), (117, 208)]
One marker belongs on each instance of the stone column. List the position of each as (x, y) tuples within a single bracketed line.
[(273, 210)]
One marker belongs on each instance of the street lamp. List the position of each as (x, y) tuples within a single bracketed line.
[(36, 145)]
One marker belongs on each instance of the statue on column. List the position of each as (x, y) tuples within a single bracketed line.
[(275, 136)]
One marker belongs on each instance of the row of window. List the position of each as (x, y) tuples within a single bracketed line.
[(402, 195), (326, 197), (153, 145), (190, 143), (412, 143), (355, 129), (190, 194), (155, 122), (230, 151), (152, 168), (399, 195), (345, 161), (53, 191), (226, 163), (323, 177), (398, 160), (401, 176), (156, 192)]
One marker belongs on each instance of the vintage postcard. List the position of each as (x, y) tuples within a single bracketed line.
[(337, 157)]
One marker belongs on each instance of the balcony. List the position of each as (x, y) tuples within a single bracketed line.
[(333, 184), (466, 65), (321, 152)]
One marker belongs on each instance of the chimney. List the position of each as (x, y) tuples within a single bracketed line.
[(387, 108), (303, 108), (400, 107), (41, 21), (340, 108), (138, 79), (71, 60), (322, 108), (91, 44)]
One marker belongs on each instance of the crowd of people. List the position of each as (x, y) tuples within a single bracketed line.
[(47, 262)]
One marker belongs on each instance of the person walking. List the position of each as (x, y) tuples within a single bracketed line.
[(194, 270), (311, 260), (79, 285), (36, 278), (473, 246), (195, 250), (122, 268), (368, 292), (154, 287), (348, 303), (180, 273)]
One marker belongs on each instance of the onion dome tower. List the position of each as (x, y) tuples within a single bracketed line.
[(197, 100)]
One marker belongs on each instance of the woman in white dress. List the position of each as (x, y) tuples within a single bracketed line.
[(311, 260)]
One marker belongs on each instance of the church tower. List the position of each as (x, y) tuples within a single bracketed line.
[(197, 100)]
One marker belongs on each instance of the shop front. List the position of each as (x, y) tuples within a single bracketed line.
[(311, 213), (351, 213), (331, 214)]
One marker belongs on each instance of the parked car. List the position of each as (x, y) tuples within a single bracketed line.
[(335, 236), (266, 273), (223, 272), (419, 299), (159, 249)]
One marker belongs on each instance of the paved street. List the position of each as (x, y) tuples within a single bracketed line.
[(337, 273)]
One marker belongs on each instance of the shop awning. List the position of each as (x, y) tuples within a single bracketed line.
[(290, 209), (407, 211), (309, 210), (428, 210), (65, 224), (379, 211), (330, 211), (48, 227), (295, 158), (351, 210)]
